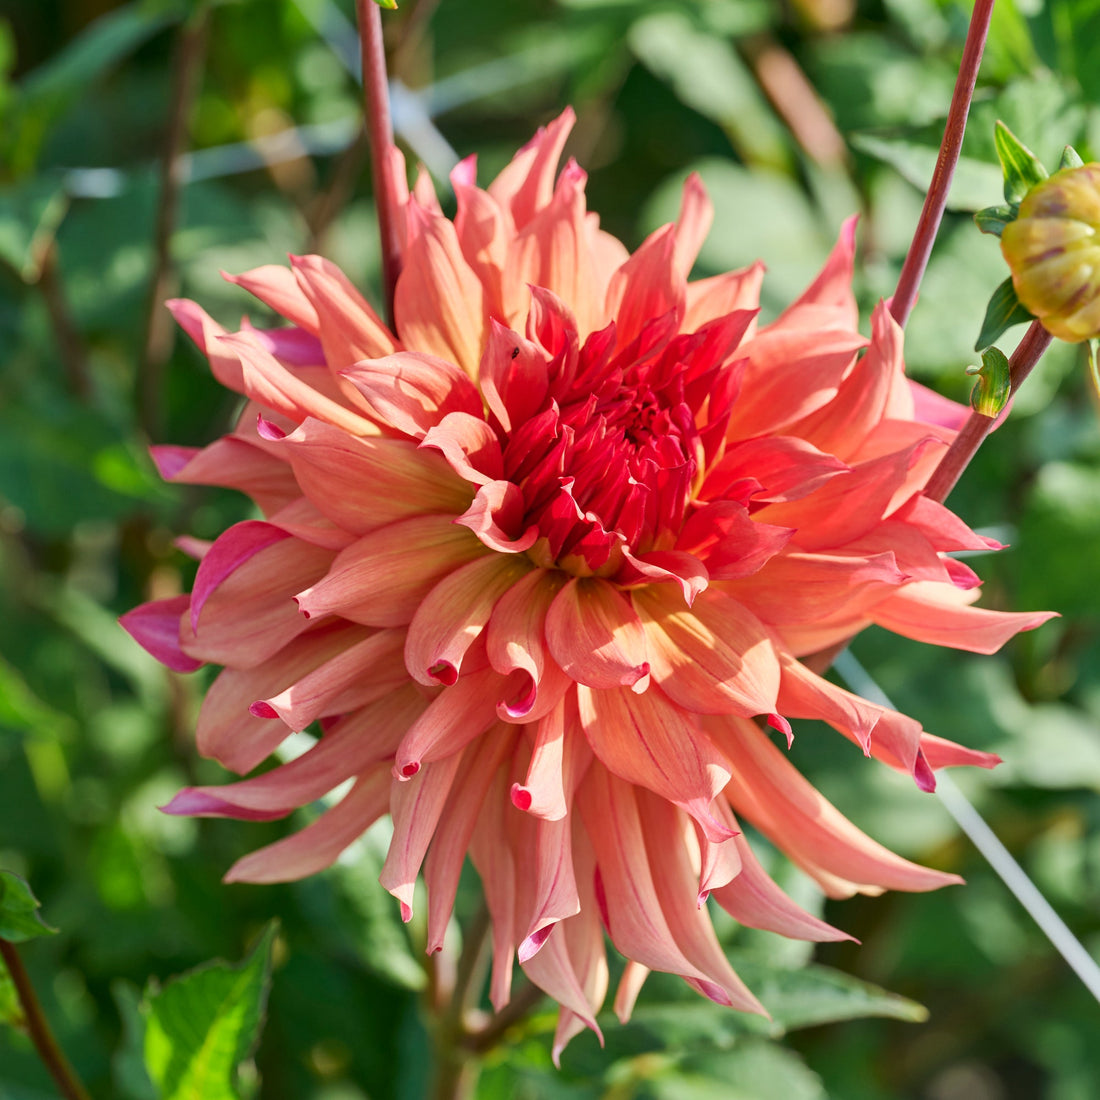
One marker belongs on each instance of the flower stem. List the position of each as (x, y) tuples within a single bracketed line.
[(38, 1026), (1028, 352), (916, 259), (376, 101)]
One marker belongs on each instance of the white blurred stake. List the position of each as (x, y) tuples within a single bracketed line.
[(985, 840)]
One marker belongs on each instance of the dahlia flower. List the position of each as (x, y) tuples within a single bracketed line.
[(541, 563)]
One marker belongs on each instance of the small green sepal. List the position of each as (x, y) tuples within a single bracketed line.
[(993, 219), (1004, 311), (19, 917), (1022, 169), (992, 386), (1070, 159), (389, 5), (1093, 351)]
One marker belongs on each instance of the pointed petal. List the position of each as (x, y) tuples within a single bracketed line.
[(447, 853), (768, 790), (647, 740), (382, 578), (412, 392), (754, 900), (415, 807), (938, 614), (251, 614), (455, 717), (454, 614), (715, 657), (318, 845), (596, 637), (438, 301), (346, 681), (277, 287), (155, 626), (363, 484), (347, 326)]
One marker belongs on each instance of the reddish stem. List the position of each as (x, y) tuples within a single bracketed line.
[(957, 457), (38, 1027), (916, 260), (376, 99)]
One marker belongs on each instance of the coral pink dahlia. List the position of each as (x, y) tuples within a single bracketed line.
[(543, 560)]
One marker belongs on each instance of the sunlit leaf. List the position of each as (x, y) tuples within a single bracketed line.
[(1021, 168), (201, 1026)]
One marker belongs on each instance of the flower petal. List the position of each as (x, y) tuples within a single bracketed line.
[(715, 657), (596, 637), (454, 614), (318, 845), (382, 578), (939, 615), (647, 740), (765, 788), (438, 302), (412, 392), (155, 626), (363, 484)]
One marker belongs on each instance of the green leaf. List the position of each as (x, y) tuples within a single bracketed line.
[(11, 1011), (1022, 170), (1004, 311), (717, 83), (201, 1026), (19, 918), (816, 994), (754, 1069), (1092, 349), (47, 92), (1070, 158), (993, 219), (21, 710), (972, 185), (130, 1078), (29, 216), (993, 386)]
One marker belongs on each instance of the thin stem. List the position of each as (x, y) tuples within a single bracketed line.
[(916, 260), (376, 101), (957, 457), (487, 1037), (70, 344), (53, 1058), (156, 346)]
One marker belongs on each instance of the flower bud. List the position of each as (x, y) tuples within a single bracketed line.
[(1053, 252)]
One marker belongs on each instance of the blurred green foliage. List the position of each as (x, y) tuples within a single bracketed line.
[(94, 735)]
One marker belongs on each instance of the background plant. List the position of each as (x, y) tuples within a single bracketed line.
[(93, 736)]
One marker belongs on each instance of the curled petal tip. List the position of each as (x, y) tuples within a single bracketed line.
[(406, 771), (521, 799), (444, 672), (262, 709), (923, 775), (406, 912), (265, 429), (531, 945), (778, 722)]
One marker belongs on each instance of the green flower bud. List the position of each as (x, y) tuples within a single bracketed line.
[(1053, 252)]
